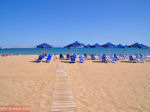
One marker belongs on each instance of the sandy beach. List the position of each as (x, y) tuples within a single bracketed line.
[(23, 82), (96, 86)]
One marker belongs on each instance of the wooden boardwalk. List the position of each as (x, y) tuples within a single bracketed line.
[(62, 99)]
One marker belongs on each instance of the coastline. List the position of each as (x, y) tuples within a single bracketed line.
[(15, 47)]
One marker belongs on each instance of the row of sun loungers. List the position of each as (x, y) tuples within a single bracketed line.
[(104, 58), (45, 57)]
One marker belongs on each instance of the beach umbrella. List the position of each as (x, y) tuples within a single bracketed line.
[(120, 46), (126, 46), (96, 45), (88, 46), (76, 45), (137, 45), (108, 45), (144, 46), (44, 45)]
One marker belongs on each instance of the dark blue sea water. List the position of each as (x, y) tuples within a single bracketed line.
[(37, 51)]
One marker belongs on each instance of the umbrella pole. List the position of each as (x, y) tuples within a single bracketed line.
[(96, 51), (76, 50), (108, 51)]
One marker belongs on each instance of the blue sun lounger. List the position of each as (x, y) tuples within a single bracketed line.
[(142, 56), (85, 55), (115, 56), (49, 57), (139, 58), (121, 56), (132, 59), (112, 59), (61, 56), (81, 59), (126, 56), (72, 59), (39, 59), (93, 57), (75, 56), (104, 59), (68, 57)]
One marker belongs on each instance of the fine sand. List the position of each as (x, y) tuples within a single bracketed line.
[(96, 86), (23, 82), (111, 87)]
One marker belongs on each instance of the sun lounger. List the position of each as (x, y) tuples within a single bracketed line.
[(93, 57), (40, 58), (61, 56), (85, 55), (81, 59), (49, 57), (104, 59), (132, 59), (121, 56), (126, 56), (68, 57), (139, 58), (75, 55), (142, 56), (115, 56), (112, 59), (72, 59)]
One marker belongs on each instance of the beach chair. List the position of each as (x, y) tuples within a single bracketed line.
[(112, 59), (39, 59), (3, 55), (142, 55), (115, 56), (126, 56), (81, 59), (132, 59), (72, 59), (49, 57), (93, 57), (75, 55), (104, 59), (61, 56), (104, 55), (85, 56), (121, 56), (68, 57), (139, 58)]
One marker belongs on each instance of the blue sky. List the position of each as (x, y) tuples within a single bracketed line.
[(60, 22)]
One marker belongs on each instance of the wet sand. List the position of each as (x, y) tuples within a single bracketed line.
[(97, 87)]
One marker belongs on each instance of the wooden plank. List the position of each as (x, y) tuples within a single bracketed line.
[(62, 99)]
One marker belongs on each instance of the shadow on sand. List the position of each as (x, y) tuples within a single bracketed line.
[(125, 62), (34, 61), (129, 62), (65, 61), (40, 61), (71, 62), (97, 61)]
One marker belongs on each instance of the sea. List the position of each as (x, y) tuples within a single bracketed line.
[(57, 51)]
